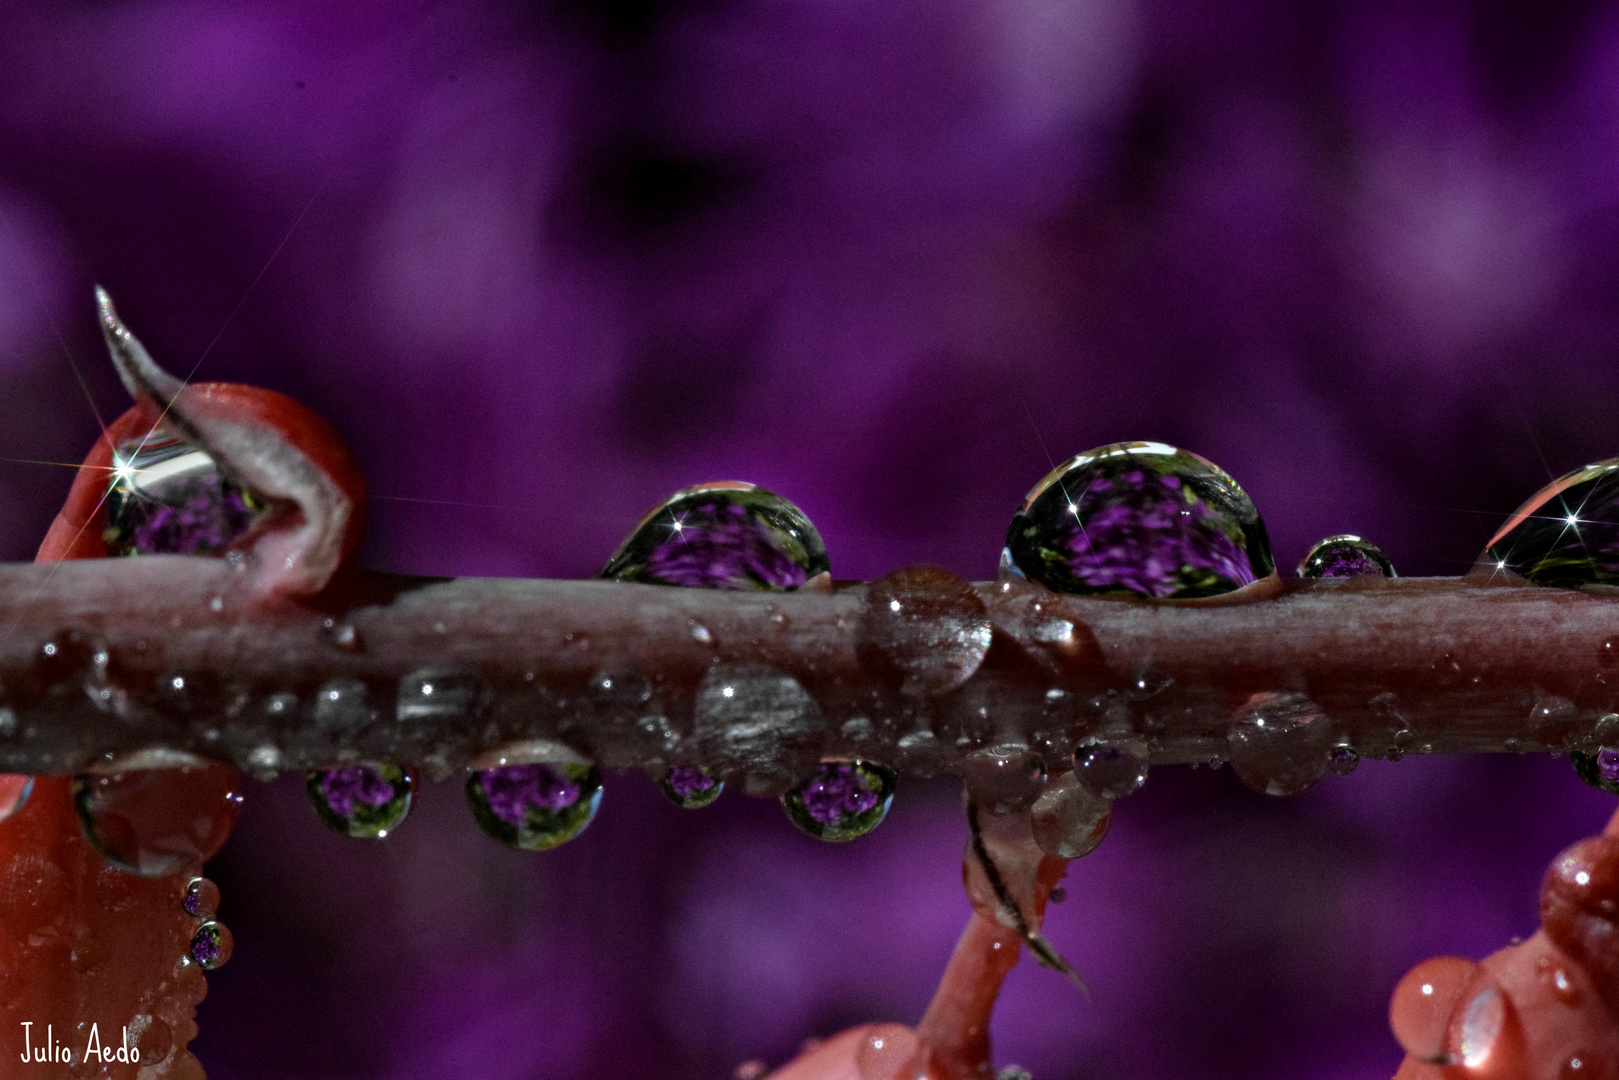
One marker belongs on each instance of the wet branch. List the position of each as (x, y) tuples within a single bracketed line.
[(105, 658)]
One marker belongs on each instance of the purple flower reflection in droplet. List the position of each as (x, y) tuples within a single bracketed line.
[(838, 791), (348, 786), (725, 536), (513, 789), (1608, 765)]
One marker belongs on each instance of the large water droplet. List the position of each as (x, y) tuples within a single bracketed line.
[(535, 806), (1003, 779), (1112, 766), (1345, 556), (1343, 759), (201, 898), (1139, 519), (1279, 743), (841, 800), (1599, 768), (722, 536), (211, 945), (156, 822), (1419, 1011), (1069, 819), (1566, 535), (691, 786), (924, 627), (749, 716), (366, 801), (434, 694), (14, 791), (168, 498)]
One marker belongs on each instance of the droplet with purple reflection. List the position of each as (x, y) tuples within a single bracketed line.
[(535, 806), (1345, 556), (366, 801), (1138, 519), (1566, 535), (201, 898), (167, 497), (691, 786), (725, 535), (841, 800), (1599, 768), (211, 945)]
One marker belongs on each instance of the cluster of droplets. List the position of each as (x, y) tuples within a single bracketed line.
[(211, 941)]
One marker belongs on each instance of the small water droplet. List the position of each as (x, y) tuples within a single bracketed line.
[(1578, 1067), (1069, 820), (884, 1051), (1565, 534), (439, 694), (342, 635), (216, 603), (1279, 743), (1342, 760), (1345, 556), (535, 806), (14, 791), (1559, 982), (701, 634), (1140, 519), (925, 628), (66, 658), (1112, 766), (841, 800), (156, 822), (1394, 753), (343, 707), (1599, 768), (367, 800), (722, 536), (201, 898), (211, 945), (151, 1037), (1150, 683), (691, 786), (1553, 719), (1003, 779)]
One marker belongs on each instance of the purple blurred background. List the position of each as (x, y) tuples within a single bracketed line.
[(545, 263)]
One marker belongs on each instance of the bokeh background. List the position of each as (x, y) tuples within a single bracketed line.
[(546, 262)]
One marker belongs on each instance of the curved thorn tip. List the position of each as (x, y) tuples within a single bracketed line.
[(140, 373)]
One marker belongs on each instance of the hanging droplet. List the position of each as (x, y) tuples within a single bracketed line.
[(1069, 819), (535, 806), (1279, 743), (924, 627), (1112, 766), (1003, 779), (1599, 768), (841, 800), (1343, 759), (1566, 535), (14, 791), (156, 822), (211, 945), (722, 536), (1139, 519), (168, 497), (201, 898), (1345, 556), (691, 786), (366, 801)]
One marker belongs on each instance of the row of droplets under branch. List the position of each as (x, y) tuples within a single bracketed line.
[(797, 688)]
